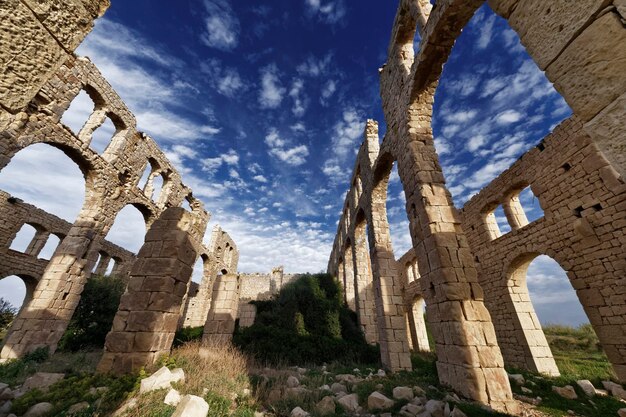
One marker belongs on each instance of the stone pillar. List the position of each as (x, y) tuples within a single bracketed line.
[(364, 286), (103, 264), (220, 323), (37, 244), (392, 333), (514, 212), (43, 321), (147, 317), (417, 327), (349, 277), (341, 276)]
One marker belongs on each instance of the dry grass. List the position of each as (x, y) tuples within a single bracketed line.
[(218, 373)]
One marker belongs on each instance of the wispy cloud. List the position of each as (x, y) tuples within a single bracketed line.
[(278, 147), (330, 11), (221, 24), (272, 91)]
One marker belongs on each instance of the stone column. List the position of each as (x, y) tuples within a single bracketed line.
[(103, 264), (220, 323), (349, 277), (364, 286), (394, 345), (37, 244), (514, 213), (147, 317)]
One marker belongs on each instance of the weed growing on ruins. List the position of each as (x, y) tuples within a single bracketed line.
[(16, 371), (94, 314), (7, 314), (188, 334), (306, 323)]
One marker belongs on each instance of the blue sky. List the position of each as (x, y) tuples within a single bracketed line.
[(261, 107)]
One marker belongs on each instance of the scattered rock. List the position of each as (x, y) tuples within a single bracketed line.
[(172, 398), (436, 408), (452, 398), (621, 412), (6, 407), (292, 382), (337, 388), (326, 406), (77, 408), (587, 387), (616, 390), (161, 379), (410, 410), (418, 390), (98, 390), (349, 403), (566, 392), (274, 396), (7, 394), (403, 393), (127, 405), (324, 387), (356, 370), (42, 381), (517, 378), (348, 378), (298, 412), (301, 370), (296, 392), (381, 373), (457, 413), (377, 401), (526, 390), (191, 406), (38, 410)]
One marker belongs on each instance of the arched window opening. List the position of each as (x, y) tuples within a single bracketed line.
[(198, 270), (77, 115), (23, 238), (128, 230), (143, 180), (157, 184), (492, 105), (97, 263), (186, 204), (110, 267), (396, 215), (102, 136), (14, 291), (419, 337), (58, 187), (503, 223), (51, 245), (530, 205)]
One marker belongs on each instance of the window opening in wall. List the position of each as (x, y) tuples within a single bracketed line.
[(503, 223), (110, 266), (186, 204), (23, 238), (78, 113), (128, 230), (95, 265), (144, 177), (13, 290), (51, 245), (102, 136), (530, 203), (198, 270), (157, 184), (420, 339)]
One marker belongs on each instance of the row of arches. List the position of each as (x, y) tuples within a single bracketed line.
[(448, 269)]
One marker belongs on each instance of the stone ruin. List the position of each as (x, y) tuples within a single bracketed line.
[(40, 78), (470, 276)]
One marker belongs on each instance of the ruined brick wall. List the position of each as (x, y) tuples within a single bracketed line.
[(583, 229), (40, 78), (259, 286)]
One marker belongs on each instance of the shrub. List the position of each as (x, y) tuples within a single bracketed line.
[(94, 314), (7, 314), (188, 334), (306, 323)]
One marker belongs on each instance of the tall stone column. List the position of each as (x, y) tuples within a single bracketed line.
[(349, 277), (220, 324), (392, 332), (364, 286), (147, 317)]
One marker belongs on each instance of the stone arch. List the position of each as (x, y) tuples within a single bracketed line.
[(418, 335), (128, 228), (30, 284)]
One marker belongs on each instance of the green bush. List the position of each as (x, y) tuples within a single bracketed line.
[(94, 314), (7, 314), (187, 334), (306, 323)]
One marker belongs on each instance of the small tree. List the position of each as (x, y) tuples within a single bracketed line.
[(7, 314)]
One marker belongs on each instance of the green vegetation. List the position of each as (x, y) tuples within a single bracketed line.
[(94, 314), (306, 323), (188, 334), (7, 314)]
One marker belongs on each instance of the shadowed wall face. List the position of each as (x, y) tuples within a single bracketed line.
[(148, 314)]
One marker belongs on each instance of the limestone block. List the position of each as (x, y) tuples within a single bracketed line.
[(607, 131), (545, 28), (350, 403), (191, 406), (503, 7), (38, 410), (403, 393), (172, 398), (566, 392), (41, 381), (589, 72), (435, 408), (28, 55), (161, 379), (377, 401), (587, 387), (299, 412), (326, 406)]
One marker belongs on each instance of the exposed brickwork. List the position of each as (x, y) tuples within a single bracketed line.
[(583, 229)]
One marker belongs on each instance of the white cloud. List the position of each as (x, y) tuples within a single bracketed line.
[(476, 142), (327, 91), (508, 117), (226, 81), (222, 26), (331, 11), (292, 156), (490, 171), (272, 92), (260, 178), (486, 32), (315, 67), (299, 103)]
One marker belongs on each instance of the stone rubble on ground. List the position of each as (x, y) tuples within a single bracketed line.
[(78, 407), (38, 410), (41, 381), (292, 382), (299, 412), (377, 401), (349, 403), (191, 406), (172, 398), (403, 393), (326, 406), (161, 379)]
